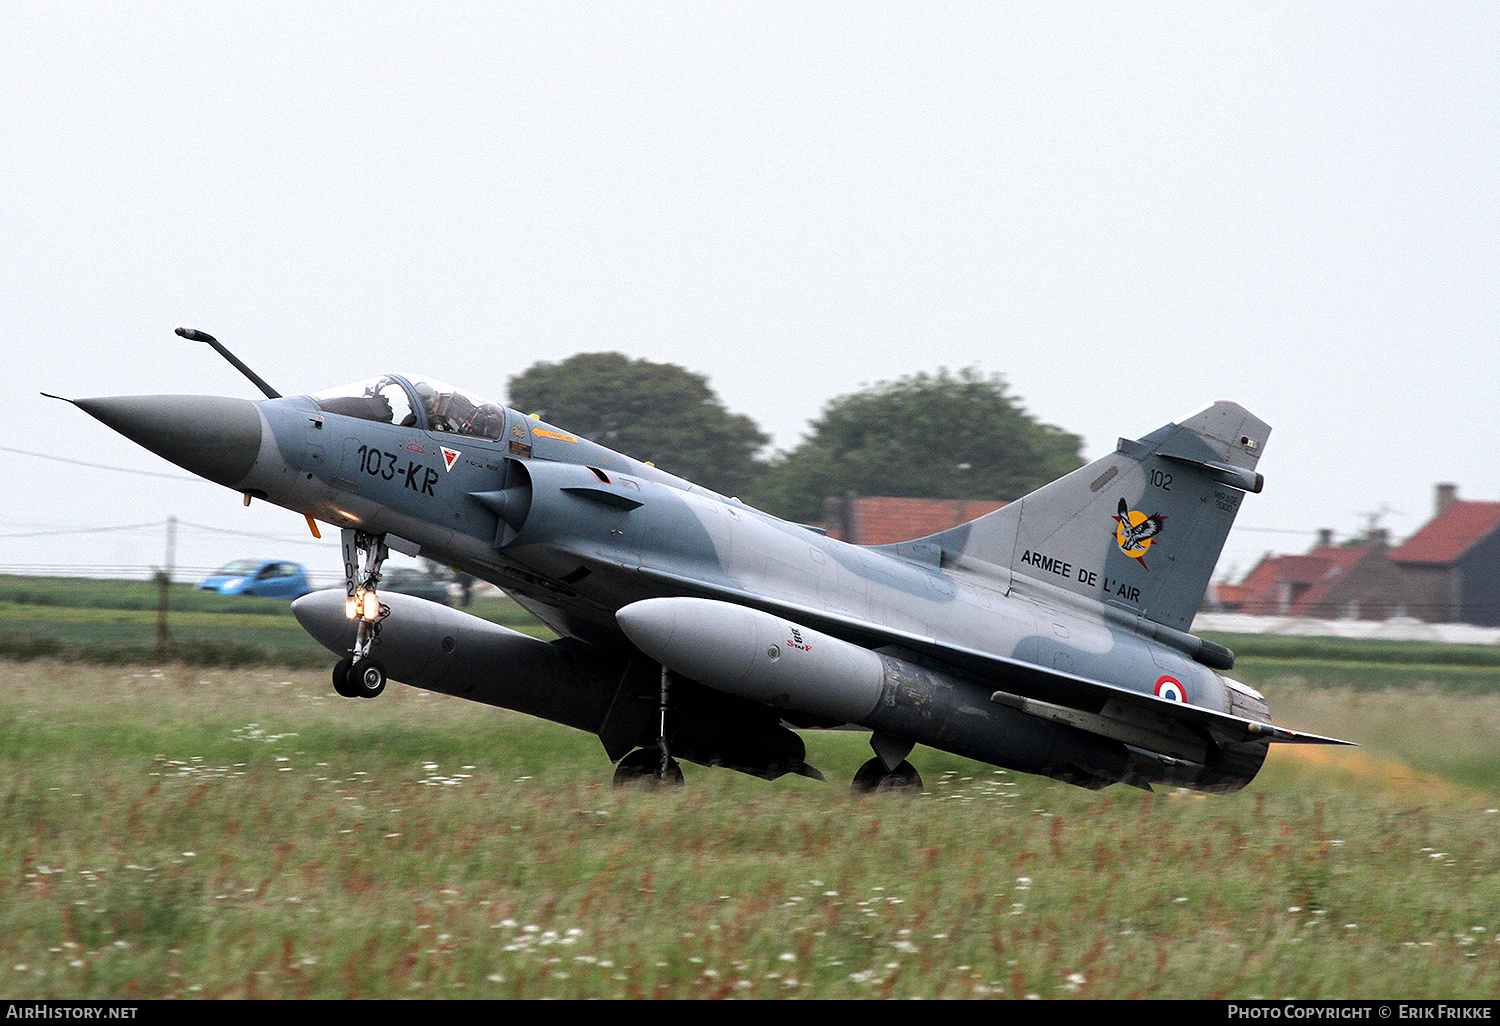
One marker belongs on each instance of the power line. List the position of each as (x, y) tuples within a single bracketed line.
[(102, 466), (1275, 530), (280, 539), (86, 530), (283, 539)]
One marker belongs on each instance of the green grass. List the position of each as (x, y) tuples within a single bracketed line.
[(185, 833), (1268, 661), (1352, 650), (206, 832)]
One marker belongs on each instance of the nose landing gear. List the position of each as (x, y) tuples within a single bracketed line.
[(358, 675)]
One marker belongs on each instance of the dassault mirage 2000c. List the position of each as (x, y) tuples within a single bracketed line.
[(1050, 637)]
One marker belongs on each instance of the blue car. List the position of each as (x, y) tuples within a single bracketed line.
[(269, 578)]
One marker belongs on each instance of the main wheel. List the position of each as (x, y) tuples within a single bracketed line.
[(643, 766), (366, 678), (874, 778)]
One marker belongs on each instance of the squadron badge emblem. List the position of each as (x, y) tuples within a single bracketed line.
[(1134, 531)]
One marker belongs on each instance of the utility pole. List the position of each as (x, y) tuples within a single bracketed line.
[(163, 584)]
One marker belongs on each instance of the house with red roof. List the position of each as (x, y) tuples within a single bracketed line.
[(1450, 568), (1328, 582), (884, 520), (1448, 572)]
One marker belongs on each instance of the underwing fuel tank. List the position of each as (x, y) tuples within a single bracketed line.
[(431, 646), (757, 656), (770, 660)]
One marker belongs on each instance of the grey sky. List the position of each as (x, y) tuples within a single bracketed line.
[(1127, 209)]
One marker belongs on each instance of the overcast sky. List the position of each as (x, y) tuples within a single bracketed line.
[(1127, 209)]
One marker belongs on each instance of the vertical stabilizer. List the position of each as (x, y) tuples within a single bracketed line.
[(1142, 528)]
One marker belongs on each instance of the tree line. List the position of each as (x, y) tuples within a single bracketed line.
[(942, 435)]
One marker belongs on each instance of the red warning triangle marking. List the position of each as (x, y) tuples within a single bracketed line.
[(450, 456)]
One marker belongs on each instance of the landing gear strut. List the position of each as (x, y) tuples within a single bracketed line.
[(653, 765), (358, 675)]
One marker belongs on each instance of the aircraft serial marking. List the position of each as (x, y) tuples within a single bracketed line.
[(378, 463)]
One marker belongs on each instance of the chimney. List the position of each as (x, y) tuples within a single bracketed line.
[(836, 518), (1325, 537), (1447, 495)]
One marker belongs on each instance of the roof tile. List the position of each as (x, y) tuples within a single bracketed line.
[(1450, 534)]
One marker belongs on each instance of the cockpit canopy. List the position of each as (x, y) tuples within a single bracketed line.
[(420, 402)]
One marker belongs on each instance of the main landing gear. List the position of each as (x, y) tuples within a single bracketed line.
[(888, 772), (653, 765), (359, 675), (874, 778), (645, 766)]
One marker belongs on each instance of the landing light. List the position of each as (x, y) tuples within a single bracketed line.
[(365, 605)]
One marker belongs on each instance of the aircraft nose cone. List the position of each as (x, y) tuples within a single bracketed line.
[(216, 437), (321, 614)]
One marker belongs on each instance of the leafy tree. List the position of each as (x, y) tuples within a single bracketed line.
[(939, 436), (657, 412)]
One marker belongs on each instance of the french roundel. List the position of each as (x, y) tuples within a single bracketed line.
[(1169, 688)]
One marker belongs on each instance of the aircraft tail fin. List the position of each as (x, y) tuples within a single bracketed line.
[(1141, 529)]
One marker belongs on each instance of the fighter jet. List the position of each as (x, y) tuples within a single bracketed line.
[(694, 627)]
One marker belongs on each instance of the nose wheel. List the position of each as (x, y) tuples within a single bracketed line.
[(363, 678), (366, 678)]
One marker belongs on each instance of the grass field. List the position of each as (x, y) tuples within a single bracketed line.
[(206, 832), (178, 833)]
